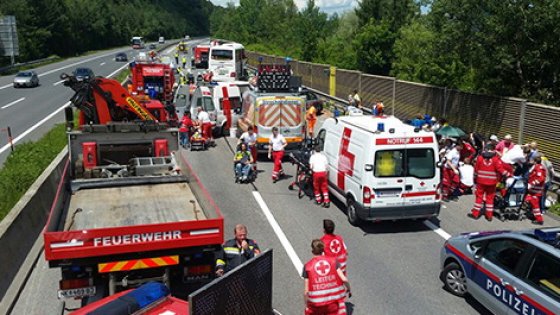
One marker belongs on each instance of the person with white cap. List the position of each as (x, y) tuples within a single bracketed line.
[(505, 145), (494, 139)]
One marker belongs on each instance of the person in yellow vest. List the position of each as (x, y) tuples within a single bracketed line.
[(311, 118), (177, 58), (184, 61)]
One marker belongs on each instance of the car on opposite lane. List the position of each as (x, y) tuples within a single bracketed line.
[(82, 74), (509, 272), (26, 79), (121, 57)]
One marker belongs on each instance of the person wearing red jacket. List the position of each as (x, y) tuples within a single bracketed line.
[(467, 151), (334, 244), (488, 170), (535, 187), (326, 286)]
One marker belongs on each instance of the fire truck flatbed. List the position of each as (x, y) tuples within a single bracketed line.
[(132, 205)]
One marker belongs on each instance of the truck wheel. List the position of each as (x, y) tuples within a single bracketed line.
[(351, 212), (454, 279)]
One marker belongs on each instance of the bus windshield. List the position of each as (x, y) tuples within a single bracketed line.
[(222, 54)]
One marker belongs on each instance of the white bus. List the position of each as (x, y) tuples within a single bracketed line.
[(226, 62), (137, 42)]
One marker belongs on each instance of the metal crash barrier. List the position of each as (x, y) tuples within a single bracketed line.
[(246, 290)]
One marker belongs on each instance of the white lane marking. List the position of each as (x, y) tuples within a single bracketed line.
[(119, 69), (102, 63), (439, 231), (279, 233), (12, 103), (168, 51), (29, 130), (65, 67), (57, 83)]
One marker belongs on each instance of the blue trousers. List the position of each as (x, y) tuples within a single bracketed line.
[(242, 169)]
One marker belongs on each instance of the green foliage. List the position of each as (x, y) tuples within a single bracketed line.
[(71, 27), (374, 46), (555, 208), (121, 76), (25, 164)]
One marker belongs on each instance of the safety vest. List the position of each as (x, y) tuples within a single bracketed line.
[(537, 177), (184, 60), (325, 286), (488, 171), (335, 247)]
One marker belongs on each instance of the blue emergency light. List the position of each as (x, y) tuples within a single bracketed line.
[(380, 127)]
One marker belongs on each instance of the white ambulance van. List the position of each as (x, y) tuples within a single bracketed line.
[(381, 168)]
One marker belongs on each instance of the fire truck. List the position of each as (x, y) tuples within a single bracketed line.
[(128, 208), (276, 101), (200, 54), (153, 79)]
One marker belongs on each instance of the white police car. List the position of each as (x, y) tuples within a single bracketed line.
[(508, 272)]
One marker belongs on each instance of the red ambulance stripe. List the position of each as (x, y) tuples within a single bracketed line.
[(272, 116), (405, 140), (291, 113), (419, 194)]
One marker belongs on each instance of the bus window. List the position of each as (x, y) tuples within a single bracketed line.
[(222, 54)]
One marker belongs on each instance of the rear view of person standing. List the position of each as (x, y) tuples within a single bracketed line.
[(535, 187), (334, 244), (277, 144), (326, 285), (319, 166)]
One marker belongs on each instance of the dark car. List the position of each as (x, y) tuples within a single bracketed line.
[(312, 99), (82, 74), (121, 57), (152, 46), (26, 79)]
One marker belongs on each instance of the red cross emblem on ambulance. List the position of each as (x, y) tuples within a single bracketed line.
[(345, 159), (322, 268)]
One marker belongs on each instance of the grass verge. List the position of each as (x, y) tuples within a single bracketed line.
[(555, 208), (25, 164), (121, 76)]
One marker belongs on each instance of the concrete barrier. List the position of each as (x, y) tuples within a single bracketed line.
[(20, 232)]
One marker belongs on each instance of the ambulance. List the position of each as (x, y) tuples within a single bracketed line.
[(381, 168)]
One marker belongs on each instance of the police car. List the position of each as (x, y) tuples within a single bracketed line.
[(509, 272)]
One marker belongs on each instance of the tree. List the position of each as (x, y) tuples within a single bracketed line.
[(374, 47)]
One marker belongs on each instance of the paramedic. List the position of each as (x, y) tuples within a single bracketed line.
[(334, 244), (311, 118), (450, 170), (277, 144), (505, 145), (319, 165), (487, 171), (468, 151), (466, 171), (549, 177), (535, 187), (243, 161), (204, 122), (249, 137), (325, 284), (236, 251)]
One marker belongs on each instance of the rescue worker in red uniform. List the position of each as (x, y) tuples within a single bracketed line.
[(468, 151), (450, 170), (319, 165), (535, 187), (488, 170), (326, 285), (334, 244), (276, 146)]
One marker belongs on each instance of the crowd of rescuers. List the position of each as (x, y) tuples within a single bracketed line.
[(486, 166), (326, 285)]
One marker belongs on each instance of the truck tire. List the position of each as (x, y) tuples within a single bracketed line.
[(351, 211)]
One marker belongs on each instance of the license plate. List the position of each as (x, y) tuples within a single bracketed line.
[(79, 292)]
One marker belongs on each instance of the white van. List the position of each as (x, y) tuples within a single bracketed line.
[(381, 168), (226, 62)]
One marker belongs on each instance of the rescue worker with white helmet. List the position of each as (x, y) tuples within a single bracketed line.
[(326, 285)]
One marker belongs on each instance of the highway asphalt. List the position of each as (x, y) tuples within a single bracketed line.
[(393, 266)]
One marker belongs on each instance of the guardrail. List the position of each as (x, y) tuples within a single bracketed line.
[(10, 67)]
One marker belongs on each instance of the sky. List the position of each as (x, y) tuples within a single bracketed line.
[(328, 6)]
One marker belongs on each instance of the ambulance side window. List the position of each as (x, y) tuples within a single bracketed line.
[(505, 253), (544, 275), (321, 139)]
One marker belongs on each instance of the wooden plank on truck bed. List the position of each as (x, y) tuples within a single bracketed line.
[(132, 205)]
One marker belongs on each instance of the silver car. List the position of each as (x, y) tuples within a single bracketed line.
[(509, 272), (26, 79)]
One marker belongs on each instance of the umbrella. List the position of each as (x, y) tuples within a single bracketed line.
[(450, 132)]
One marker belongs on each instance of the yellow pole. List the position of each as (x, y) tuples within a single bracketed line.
[(332, 81)]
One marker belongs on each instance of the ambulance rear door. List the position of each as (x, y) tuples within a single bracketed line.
[(388, 180), (422, 174)]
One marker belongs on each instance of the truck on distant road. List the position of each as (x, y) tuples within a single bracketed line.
[(137, 42), (129, 210)]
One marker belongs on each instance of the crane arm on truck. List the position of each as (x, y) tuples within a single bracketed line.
[(102, 100)]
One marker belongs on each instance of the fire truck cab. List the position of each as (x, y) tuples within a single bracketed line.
[(381, 168)]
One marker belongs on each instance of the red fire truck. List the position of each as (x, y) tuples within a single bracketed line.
[(200, 53), (129, 210), (153, 79)]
